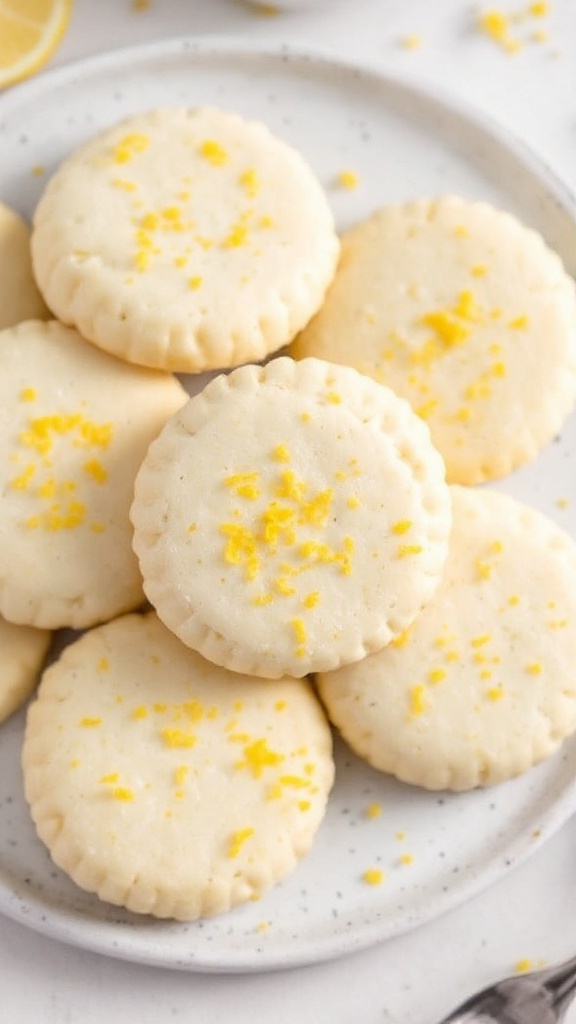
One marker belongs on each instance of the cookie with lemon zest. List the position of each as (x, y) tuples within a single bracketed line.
[(481, 687), (77, 423), (185, 239), (448, 302), (291, 518), (169, 786)]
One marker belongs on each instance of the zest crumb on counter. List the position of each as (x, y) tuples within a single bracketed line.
[(525, 964), (513, 29), (495, 24), (410, 42), (373, 876), (348, 179), (418, 703), (373, 811)]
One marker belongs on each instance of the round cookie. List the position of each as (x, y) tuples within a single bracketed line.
[(185, 239), (482, 686), (75, 424), (168, 785), (465, 312), (19, 295), (291, 518), (23, 651)]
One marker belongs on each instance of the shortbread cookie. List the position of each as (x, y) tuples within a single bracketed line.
[(23, 651), (466, 313), (290, 518), (76, 424), (19, 295), (186, 240), (482, 686), (168, 785)]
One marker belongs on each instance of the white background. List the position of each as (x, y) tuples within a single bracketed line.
[(532, 913)]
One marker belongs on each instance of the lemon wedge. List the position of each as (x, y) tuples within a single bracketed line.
[(30, 31)]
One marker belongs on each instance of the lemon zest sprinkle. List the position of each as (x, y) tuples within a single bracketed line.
[(249, 181), (96, 470), (401, 639), (496, 25), (436, 675), (213, 152), (129, 147), (20, 483), (402, 526), (123, 793), (406, 550), (373, 876), (519, 323), (348, 179), (177, 738), (411, 42), (281, 453), (495, 693), (244, 485), (258, 756), (181, 773), (374, 810), (417, 700), (237, 841)]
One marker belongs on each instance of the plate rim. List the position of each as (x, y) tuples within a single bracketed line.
[(63, 928), (243, 47)]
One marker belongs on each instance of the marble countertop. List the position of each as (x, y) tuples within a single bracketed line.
[(531, 913)]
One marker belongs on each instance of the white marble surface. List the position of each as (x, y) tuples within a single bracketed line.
[(531, 914)]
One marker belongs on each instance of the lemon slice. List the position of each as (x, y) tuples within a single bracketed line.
[(30, 31)]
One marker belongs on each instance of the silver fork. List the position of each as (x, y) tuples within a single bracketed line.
[(540, 997)]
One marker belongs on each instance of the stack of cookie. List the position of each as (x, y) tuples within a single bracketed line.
[(303, 527)]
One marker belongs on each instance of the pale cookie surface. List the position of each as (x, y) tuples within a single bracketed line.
[(186, 240), (465, 312), (75, 424), (22, 652), (482, 686), (19, 295), (167, 785), (290, 518)]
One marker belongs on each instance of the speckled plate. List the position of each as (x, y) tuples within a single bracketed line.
[(402, 143)]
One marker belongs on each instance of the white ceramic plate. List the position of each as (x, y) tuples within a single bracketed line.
[(402, 143)]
